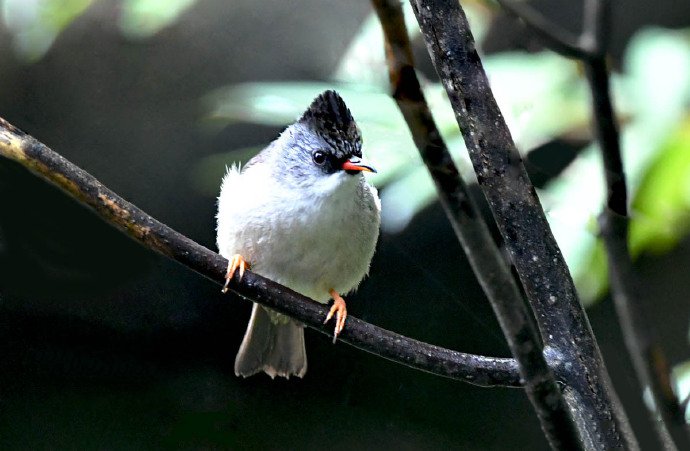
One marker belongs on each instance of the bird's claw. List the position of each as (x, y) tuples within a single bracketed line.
[(339, 309), (236, 262)]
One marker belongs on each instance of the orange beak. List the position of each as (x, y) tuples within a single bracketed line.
[(354, 165)]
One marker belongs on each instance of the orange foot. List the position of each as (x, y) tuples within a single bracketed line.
[(339, 309), (236, 262)]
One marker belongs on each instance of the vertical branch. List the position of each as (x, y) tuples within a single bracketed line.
[(545, 277), (648, 358), (650, 363), (651, 367), (473, 233)]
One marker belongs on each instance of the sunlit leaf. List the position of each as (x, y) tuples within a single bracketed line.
[(35, 24), (681, 377), (281, 103), (662, 206), (404, 198), (658, 90), (541, 95), (658, 67), (387, 143), (364, 61), (144, 18)]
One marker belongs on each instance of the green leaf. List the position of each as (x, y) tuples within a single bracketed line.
[(141, 19), (35, 24), (662, 206), (655, 91), (281, 103)]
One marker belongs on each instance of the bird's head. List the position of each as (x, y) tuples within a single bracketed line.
[(324, 147)]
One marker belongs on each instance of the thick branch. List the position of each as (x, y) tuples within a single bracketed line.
[(521, 221), (482, 252), (38, 158)]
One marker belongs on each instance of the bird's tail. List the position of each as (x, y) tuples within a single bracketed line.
[(276, 348)]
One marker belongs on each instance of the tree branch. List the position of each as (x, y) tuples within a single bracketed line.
[(482, 252), (39, 159), (649, 360), (597, 20), (553, 37), (650, 363), (521, 221)]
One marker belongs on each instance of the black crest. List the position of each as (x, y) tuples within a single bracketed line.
[(331, 119)]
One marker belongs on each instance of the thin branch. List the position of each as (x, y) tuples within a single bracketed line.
[(649, 360), (544, 275), (39, 159), (557, 39), (473, 233), (597, 21), (606, 132)]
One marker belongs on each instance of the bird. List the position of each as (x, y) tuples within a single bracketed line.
[(300, 213)]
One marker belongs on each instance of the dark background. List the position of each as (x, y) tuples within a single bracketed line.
[(106, 345)]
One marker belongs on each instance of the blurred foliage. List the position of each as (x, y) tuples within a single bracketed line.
[(681, 377), (543, 97), (144, 18), (362, 80), (35, 24), (656, 88), (662, 206)]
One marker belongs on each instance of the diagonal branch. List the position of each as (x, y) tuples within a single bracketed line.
[(42, 161), (516, 208), (473, 233), (557, 39)]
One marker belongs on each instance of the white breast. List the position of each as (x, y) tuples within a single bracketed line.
[(310, 243)]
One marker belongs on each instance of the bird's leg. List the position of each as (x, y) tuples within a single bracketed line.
[(236, 262), (339, 309)]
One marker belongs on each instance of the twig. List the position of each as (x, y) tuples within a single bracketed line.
[(39, 159), (557, 39), (482, 252), (649, 360), (597, 20), (544, 275)]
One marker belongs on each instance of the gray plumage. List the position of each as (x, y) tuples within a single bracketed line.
[(274, 347)]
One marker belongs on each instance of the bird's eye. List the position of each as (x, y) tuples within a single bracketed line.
[(319, 157)]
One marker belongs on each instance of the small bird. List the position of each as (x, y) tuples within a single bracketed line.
[(300, 213)]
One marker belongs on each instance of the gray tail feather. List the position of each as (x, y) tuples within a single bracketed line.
[(276, 349)]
